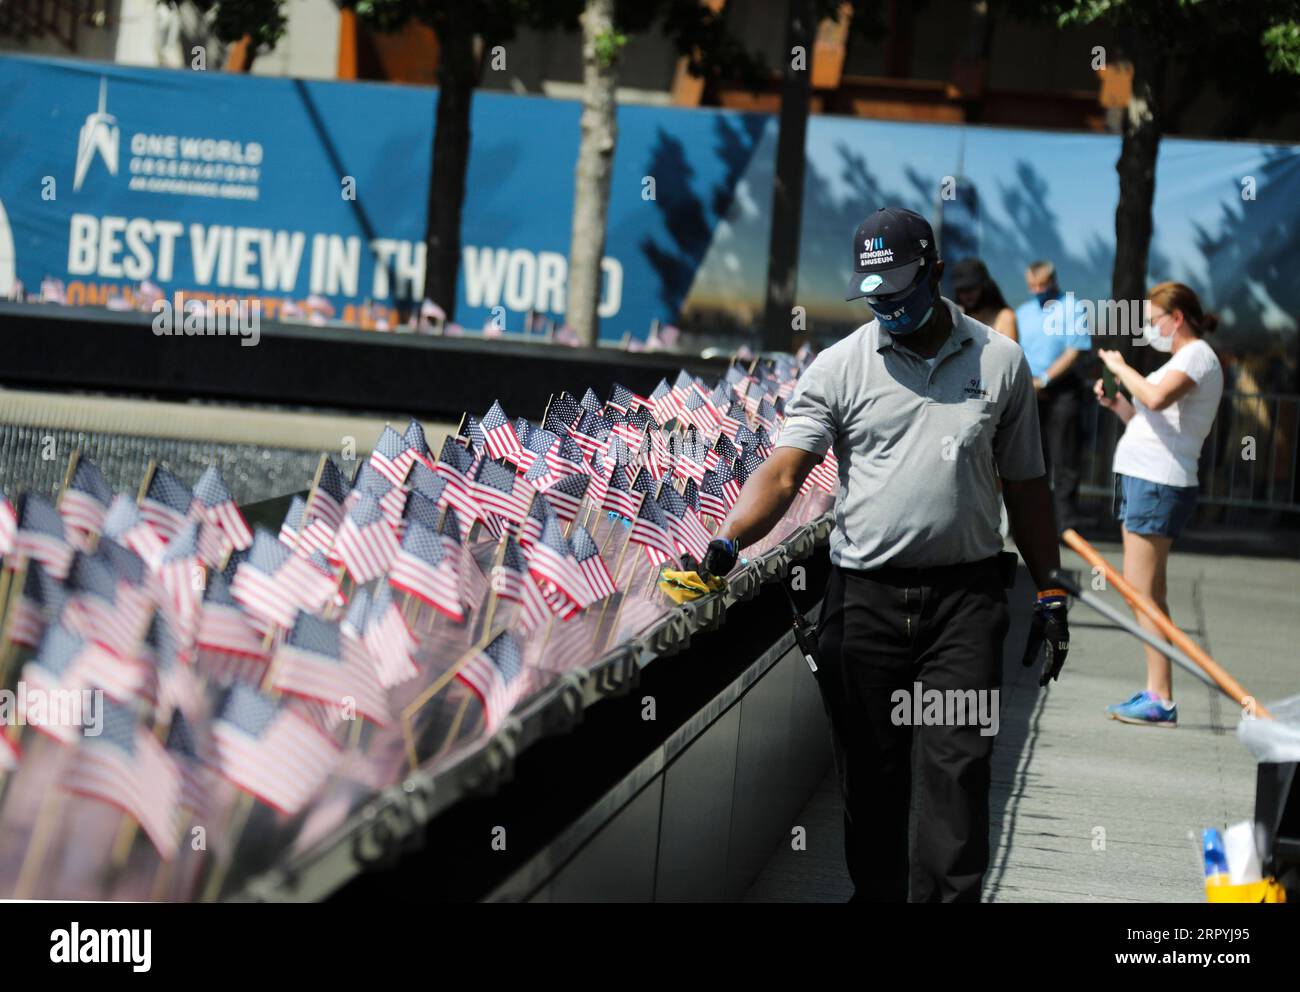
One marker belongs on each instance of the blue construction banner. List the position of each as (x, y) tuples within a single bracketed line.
[(279, 190)]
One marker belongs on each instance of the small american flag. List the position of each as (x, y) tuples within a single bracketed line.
[(426, 482), (539, 475), (473, 432), (512, 584), (389, 639), (270, 751), (825, 474), (589, 432), (713, 496), (539, 511), (687, 532), (650, 530), (97, 612), (551, 560), (392, 499), (454, 465), (40, 605), (732, 420), (523, 430), (663, 402), (166, 503), (41, 536), (181, 578), (311, 663), (560, 414), (326, 501), (502, 442), (566, 458), (587, 554), (747, 464), (85, 501), (417, 447), (498, 490), (258, 584), (126, 767), (421, 510), (53, 669), (366, 541), (174, 684), (389, 457), (8, 525), (229, 646), (691, 493), (566, 496), (622, 398), (187, 750), (620, 497), (124, 525), (424, 569), (215, 506), (539, 442), (495, 673)]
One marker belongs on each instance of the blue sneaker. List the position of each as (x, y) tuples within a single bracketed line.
[(1144, 708)]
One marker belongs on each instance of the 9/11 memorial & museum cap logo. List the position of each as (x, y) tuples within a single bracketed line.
[(889, 249)]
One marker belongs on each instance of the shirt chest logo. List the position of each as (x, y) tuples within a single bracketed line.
[(974, 390)]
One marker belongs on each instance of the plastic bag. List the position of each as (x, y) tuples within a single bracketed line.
[(1277, 739)]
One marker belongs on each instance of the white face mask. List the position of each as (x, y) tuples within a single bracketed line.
[(1158, 341)]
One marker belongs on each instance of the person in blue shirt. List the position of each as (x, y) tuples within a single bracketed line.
[(1054, 334)]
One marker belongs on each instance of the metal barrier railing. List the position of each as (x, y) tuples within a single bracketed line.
[(1250, 458)]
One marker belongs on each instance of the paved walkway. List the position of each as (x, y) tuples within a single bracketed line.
[(1089, 810)]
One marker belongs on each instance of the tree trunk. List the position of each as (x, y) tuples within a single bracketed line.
[(787, 186), (594, 170), (1139, 148), (456, 78)]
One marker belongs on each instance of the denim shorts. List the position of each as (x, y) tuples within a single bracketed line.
[(1152, 507)]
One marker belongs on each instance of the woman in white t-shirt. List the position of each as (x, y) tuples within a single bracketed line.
[(1167, 421)]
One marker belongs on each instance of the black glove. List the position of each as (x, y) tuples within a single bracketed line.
[(1049, 627), (720, 558)]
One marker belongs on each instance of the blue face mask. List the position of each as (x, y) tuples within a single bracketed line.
[(908, 313), (1047, 294)]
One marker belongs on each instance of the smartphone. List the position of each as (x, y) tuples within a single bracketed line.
[(1108, 384)]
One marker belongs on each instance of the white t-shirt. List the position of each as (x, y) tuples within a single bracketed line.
[(1165, 445)]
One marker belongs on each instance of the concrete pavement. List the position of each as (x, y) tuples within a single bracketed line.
[(1086, 809)]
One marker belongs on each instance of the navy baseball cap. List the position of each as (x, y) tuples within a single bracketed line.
[(889, 249)]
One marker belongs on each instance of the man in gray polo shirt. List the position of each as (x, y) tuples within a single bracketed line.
[(926, 409)]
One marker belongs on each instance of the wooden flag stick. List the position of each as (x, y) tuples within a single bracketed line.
[(125, 840), (414, 706), (149, 471), (67, 475), (8, 603), (618, 567), (43, 830), (235, 825), (455, 724), (497, 558)]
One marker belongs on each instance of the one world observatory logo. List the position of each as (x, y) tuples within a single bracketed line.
[(98, 134)]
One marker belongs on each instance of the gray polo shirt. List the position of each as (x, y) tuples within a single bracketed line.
[(920, 448)]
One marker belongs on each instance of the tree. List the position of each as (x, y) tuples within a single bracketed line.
[(698, 31), (457, 23), (257, 25), (1221, 40)]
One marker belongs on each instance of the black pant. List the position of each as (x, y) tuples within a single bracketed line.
[(1062, 433), (883, 631)]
